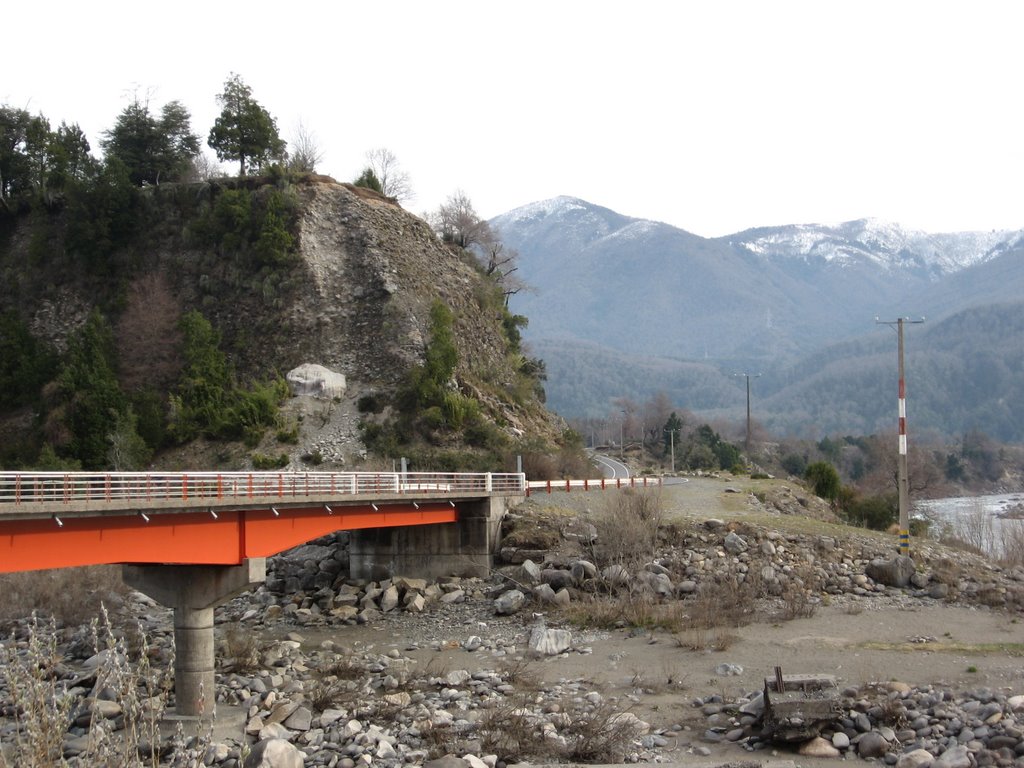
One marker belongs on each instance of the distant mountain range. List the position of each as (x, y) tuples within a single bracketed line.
[(626, 306)]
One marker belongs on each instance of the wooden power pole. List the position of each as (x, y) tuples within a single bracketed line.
[(903, 483)]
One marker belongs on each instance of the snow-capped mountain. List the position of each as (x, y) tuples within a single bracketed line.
[(624, 306), (882, 243), (644, 286)]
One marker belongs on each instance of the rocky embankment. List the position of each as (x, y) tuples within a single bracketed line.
[(308, 695)]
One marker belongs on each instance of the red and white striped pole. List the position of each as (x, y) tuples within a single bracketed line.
[(901, 461), (902, 482)]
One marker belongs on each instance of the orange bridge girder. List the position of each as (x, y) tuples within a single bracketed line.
[(215, 536)]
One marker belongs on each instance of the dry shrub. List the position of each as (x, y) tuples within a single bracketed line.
[(798, 601), (70, 595), (39, 690), (946, 571), (717, 608), (240, 649), (626, 608), (335, 683), (1012, 542), (519, 671), (540, 466), (627, 527), (514, 731)]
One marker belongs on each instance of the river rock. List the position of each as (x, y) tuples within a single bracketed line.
[(919, 758), (274, 753), (509, 602), (818, 747), (550, 642)]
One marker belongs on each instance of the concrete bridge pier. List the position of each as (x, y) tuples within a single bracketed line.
[(194, 591), (465, 548)]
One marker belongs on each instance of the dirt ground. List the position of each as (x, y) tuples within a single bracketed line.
[(860, 640)]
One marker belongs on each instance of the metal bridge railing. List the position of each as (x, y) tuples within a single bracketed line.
[(26, 488)]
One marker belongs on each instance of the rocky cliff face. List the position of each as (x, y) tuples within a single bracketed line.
[(355, 295)]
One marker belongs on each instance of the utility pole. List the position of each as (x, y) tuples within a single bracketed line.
[(902, 482), (748, 377), (622, 447), (672, 444)]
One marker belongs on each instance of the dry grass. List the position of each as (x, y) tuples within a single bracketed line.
[(40, 691), (240, 649), (626, 609), (515, 731), (627, 528), (69, 595)]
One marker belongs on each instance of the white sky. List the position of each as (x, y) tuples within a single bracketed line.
[(712, 116)]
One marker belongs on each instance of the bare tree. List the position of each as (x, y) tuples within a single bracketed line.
[(203, 168), (500, 264), (306, 152), (148, 338), (457, 222), (394, 182)]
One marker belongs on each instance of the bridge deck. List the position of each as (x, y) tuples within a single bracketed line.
[(61, 519)]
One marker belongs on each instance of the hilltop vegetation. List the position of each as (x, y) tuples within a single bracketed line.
[(147, 305)]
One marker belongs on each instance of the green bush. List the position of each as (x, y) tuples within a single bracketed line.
[(209, 402), (371, 403), (290, 435), (794, 464), (26, 364), (823, 479), (261, 462), (875, 512), (249, 223)]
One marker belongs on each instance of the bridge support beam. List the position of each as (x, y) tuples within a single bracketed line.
[(463, 548), (193, 591)]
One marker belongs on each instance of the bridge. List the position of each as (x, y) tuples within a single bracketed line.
[(193, 540)]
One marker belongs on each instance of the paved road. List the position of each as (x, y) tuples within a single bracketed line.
[(612, 468)]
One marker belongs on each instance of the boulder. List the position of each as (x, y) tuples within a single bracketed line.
[(892, 573), (550, 642), (274, 753), (734, 543), (544, 594), (556, 578), (509, 603), (529, 572), (582, 570), (313, 380)]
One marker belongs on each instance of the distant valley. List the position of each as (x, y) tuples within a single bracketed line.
[(628, 307)]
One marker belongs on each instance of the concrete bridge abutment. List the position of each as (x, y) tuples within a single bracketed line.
[(193, 591), (465, 548)]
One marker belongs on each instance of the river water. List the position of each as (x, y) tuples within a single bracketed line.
[(987, 522)]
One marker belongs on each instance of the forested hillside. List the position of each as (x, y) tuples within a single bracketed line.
[(148, 308)]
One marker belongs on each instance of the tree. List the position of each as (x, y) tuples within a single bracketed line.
[(13, 163), (824, 480), (245, 131), (88, 396), (369, 180), (671, 432), (457, 222), (306, 153), (69, 151), (152, 149), (394, 182)]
